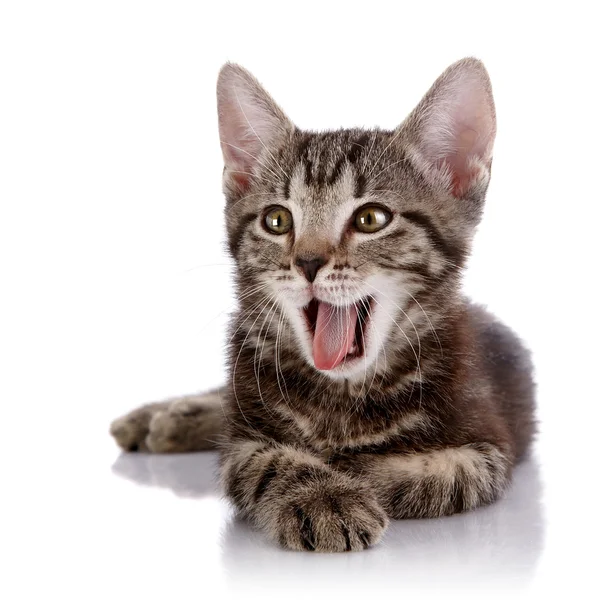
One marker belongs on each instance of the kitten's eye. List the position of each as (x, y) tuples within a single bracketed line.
[(278, 220), (370, 219)]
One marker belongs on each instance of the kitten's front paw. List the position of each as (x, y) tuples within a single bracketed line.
[(130, 430), (186, 426), (330, 521)]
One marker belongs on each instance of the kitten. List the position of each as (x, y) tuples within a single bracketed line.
[(362, 385)]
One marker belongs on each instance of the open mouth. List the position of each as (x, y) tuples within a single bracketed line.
[(338, 332)]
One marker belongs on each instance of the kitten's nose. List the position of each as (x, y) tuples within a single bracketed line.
[(310, 266)]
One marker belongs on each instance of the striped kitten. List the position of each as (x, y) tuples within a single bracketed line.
[(362, 385)]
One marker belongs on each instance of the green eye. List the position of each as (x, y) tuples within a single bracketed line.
[(278, 220), (370, 219)]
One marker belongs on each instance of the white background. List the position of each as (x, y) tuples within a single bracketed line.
[(115, 286)]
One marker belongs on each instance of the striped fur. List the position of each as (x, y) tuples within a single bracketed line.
[(434, 418)]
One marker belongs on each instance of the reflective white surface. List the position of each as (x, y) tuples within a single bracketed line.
[(497, 547), (88, 521)]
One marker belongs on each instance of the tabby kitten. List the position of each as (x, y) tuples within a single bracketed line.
[(362, 385)]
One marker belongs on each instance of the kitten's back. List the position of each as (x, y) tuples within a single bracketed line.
[(507, 363)]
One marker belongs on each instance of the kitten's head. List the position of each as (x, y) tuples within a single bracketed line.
[(347, 231)]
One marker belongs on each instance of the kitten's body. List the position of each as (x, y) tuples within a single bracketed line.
[(431, 415)]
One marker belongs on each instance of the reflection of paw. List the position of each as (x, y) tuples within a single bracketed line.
[(191, 475), (130, 431), (332, 521), (187, 425)]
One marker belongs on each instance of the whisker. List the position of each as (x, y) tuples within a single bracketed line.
[(417, 356), (383, 152), (272, 310), (285, 395), (250, 312), (375, 368), (274, 262), (257, 159), (362, 387), (381, 171), (254, 195), (236, 365), (373, 143), (430, 323)]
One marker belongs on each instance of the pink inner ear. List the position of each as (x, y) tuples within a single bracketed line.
[(250, 123), (238, 163), (458, 129), (468, 144), (462, 178), (241, 181)]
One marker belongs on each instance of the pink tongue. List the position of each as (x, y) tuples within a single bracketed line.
[(334, 335)]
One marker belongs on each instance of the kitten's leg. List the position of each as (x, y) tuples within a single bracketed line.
[(437, 482), (130, 430), (299, 501), (183, 424)]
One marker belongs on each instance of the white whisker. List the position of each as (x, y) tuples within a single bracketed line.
[(257, 159), (258, 344), (383, 152), (237, 361), (430, 323), (417, 355)]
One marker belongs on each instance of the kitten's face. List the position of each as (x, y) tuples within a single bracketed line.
[(344, 232)]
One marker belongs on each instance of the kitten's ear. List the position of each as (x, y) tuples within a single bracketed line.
[(451, 132), (250, 123)]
